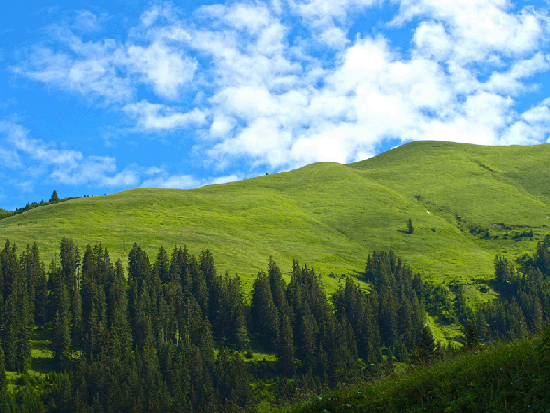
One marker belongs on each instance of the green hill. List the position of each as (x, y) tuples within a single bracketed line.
[(510, 377), (328, 215)]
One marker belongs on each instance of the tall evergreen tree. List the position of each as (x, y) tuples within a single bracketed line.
[(277, 285), (61, 340), (264, 313), (10, 332), (54, 197), (69, 258), (161, 268), (425, 348), (120, 337), (285, 345)]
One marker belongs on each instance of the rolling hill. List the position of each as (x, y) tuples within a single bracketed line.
[(466, 202)]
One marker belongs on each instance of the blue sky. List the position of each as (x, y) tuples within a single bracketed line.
[(98, 97)]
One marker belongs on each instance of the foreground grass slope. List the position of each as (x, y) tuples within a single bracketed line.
[(328, 215), (511, 377)]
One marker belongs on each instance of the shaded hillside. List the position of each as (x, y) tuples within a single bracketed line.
[(511, 377), (466, 202)]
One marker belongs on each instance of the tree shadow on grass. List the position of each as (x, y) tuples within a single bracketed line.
[(42, 356)]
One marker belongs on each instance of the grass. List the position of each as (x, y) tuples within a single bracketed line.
[(327, 215), (510, 377), (41, 353)]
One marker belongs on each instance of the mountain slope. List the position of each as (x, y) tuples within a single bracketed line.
[(509, 377), (328, 215)]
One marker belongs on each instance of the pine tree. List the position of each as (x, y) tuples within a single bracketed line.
[(40, 290), (161, 268), (234, 313), (264, 313), (231, 382), (277, 285), (410, 228), (285, 347), (120, 337), (95, 273), (15, 318), (472, 337), (69, 258), (176, 265), (305, 341), (54, 197), (425, 348), (24, 327), (61, 340), (199, 288)]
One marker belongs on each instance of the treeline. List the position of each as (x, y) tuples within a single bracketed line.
[(168, 336), (524, 306), (31, 205)]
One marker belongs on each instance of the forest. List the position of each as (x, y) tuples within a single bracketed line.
[(171, 334)]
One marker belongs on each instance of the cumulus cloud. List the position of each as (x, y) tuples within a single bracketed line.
[(253, 89), (86, 21), (174, 181), (157, 117), (163, 179), (38, 159)]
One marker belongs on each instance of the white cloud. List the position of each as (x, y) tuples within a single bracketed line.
[(157, 117), (174, 182), (165, 180), (254, 92), (162, 67), (10, 159), (86, 21), (91, 74), (37, 159), (329, 20), (511, 81), (431, 40), (223, 180)]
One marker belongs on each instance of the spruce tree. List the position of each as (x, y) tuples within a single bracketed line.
[(285, 347), (199, 288), (54, 197), (264, 313), (10, 332), (119, 329), (277, 285), (40, 293), (161, 268), (24, 328), (472, 337), (61, 340), (425, 348)]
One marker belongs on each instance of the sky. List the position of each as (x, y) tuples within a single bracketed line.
[(101, 96)]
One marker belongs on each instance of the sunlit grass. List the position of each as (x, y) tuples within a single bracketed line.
[(326, 215)]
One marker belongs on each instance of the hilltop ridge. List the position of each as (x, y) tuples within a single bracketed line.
[(467, 203)]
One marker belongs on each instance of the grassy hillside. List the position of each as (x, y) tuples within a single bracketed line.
[(328, 215), (511, 377)]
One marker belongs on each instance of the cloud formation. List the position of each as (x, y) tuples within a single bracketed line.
[(35, 159), (285, 83)]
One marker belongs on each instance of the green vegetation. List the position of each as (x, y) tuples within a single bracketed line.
[(468, 203), (509, 377), (175, 331), (112, 328)]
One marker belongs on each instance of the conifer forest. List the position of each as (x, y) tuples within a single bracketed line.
[(170, 334)]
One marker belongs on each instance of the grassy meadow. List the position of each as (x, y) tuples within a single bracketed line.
[(509, 377), (329, 216)]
